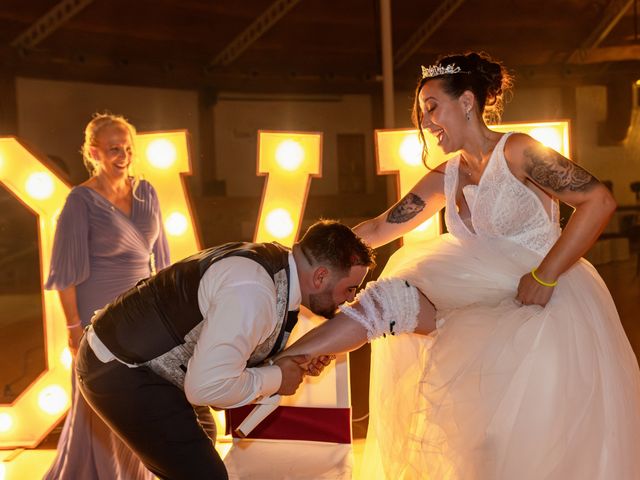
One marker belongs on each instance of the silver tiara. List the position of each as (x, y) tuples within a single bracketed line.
[(437, 70)]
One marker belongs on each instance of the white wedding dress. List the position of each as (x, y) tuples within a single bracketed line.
[(501, 391)]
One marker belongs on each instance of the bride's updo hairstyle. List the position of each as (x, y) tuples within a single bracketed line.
[(486, 78)]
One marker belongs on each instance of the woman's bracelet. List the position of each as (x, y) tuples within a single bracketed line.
[(542, 282), (73, 325)]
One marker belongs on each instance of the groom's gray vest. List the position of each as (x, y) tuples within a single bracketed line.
[(157, 322)]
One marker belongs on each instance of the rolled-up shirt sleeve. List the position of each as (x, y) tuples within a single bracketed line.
[(238, 302)]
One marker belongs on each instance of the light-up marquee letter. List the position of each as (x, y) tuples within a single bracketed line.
[(163, 159), (289, 159), (400, 152), (39, 407), (551, 134)]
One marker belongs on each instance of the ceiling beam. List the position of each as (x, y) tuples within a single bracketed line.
[(611, 54), (425, 31), (611, 15), (253, 32), (49, 23)]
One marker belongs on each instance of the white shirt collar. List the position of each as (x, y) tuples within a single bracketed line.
[(295, 295)]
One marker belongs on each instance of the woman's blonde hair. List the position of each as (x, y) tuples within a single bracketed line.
[(91, 131)]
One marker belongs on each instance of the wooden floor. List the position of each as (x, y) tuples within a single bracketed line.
[(621, 278), (33, 464)]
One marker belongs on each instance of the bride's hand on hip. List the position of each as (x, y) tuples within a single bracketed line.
[(530, 292)]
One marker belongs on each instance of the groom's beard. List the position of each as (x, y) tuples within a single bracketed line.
[(323, 304)]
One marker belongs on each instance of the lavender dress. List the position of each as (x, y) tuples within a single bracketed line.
[(102, 252)]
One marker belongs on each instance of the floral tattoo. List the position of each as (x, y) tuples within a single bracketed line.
[(407, 208), (551, 170)]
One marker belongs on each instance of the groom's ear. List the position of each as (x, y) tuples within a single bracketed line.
[(319, 277)]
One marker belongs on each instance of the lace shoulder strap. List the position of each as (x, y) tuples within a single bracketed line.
[(451, 178)]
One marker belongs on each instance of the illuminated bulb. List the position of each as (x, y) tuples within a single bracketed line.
[(6, 422), (289, 155), (176, 224), (65, 358), (411, 150), (39, 185), (161, 153), (548, 137), (279, 223), (3, 471), (53, 399), (424, 225)]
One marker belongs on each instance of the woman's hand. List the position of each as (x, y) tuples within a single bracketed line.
[(530, 292), (70, 308), (75, 335)]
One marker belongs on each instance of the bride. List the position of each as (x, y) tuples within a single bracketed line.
[(523, 370)]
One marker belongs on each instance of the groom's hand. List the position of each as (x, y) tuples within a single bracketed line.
[(292, 373)]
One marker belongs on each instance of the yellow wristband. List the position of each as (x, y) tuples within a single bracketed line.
[(542, 282)]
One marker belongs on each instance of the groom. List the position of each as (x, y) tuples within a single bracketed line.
[(198, 333)]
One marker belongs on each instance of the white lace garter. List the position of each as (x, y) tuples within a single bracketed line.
[(385, 306)]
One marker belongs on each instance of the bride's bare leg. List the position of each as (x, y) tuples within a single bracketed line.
[(339, 335), (426, 316), (343, 333)]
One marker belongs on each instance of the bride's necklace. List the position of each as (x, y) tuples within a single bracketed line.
[(467, 167)]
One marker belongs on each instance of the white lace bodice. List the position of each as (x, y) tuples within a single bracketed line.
[(501, 206)]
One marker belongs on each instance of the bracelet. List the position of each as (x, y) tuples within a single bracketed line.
[(542, 282), (73, 325)]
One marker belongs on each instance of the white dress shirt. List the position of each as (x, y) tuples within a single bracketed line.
[(237, 299)]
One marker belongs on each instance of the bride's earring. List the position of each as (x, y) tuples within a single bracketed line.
[(468, 115)]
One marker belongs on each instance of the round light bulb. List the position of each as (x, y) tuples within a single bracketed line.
[(176, 224), (161, 153), (548, 137), (39, 185), (289, 155), (279, 223), (6, 422), (411, 150), (53, 399)]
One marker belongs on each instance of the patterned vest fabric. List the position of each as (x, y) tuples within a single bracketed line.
[(157, 322)]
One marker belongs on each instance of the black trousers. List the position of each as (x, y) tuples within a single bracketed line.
[(151, 415)]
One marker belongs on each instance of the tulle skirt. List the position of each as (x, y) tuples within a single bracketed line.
[(499, 390)]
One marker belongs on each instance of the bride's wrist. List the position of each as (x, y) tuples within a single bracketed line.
[(544, 278)]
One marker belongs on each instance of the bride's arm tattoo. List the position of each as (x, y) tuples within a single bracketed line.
[(551, 170), (407, 208)]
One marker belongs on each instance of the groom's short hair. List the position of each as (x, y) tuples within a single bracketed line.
[(333, 243)]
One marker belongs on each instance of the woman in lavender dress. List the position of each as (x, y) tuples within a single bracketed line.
[(109, 236)]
